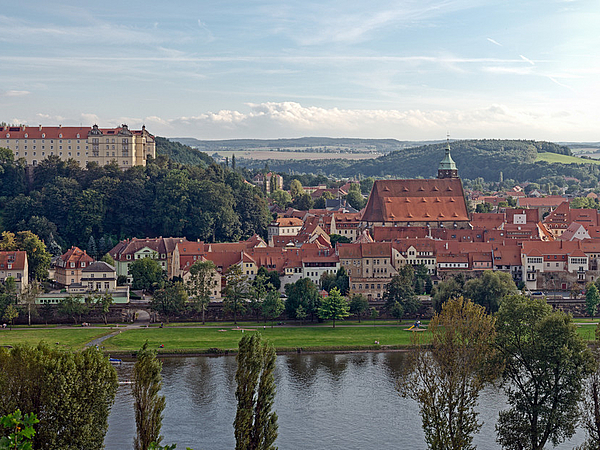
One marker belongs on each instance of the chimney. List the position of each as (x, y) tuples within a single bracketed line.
[(40, 127)]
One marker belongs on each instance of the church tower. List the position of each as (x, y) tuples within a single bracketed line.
[(447, 167)]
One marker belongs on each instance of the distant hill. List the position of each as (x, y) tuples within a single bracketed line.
[(181, 153), (379, 145), (516, 159)]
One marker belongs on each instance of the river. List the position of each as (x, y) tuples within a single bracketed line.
[(324, 401)]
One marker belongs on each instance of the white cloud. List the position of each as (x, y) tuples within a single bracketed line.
[(13, 93), (291, 119), (527, 60)]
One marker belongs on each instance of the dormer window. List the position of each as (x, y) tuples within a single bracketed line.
[(72, 264), (82, 264), (60, 136), (26, 135)]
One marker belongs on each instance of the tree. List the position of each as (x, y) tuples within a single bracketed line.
[(147, 274), (300, 313), (334, 307), (104, 301), (272, 306), (359, 305), (592, 298), (303, 292), (296, 190), (257, 293), (545, 362), (374, 314), (446, 379), (255, 425), (38, 258), (590, 409), (303, 203), (201, 284), (236, 291), (445, 290), (10, 314), (148, 404), (400, 289), (170, 300), (356, 200), (70, 392), (73, 306), (489, 289), (28, 297), (397, 311), (281, 198)]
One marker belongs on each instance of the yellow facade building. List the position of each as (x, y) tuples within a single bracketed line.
[(82, 144)]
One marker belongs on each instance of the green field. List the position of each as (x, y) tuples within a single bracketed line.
[(283, 338), (564, 159), (63, 338)]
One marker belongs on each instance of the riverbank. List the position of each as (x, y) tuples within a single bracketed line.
[(223, 340)]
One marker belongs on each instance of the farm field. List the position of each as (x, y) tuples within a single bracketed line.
[(564, 159)]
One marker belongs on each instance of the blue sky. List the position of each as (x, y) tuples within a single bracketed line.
[(409, 70)]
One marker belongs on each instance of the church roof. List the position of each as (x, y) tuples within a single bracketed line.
[(433, 200)]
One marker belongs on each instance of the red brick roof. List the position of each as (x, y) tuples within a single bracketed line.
[(16, 258)]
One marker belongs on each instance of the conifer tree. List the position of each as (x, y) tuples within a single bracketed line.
[(255, 425), (148, 404)]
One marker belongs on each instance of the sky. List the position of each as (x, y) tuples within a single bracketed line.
[(409, 70)]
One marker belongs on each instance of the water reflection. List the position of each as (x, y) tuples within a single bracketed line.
[(323, 401)]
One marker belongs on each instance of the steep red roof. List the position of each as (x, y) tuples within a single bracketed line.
[(15, 258), (434, 200)]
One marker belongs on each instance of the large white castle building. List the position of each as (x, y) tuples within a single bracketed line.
[(83, 144)]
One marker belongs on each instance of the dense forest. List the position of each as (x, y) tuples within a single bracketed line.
[(181, 153), (475, 159), (66, 204)]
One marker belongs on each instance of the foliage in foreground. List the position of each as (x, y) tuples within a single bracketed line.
[(545, 364), (71, 393), (446, 379), (255, 425), (20, 431), (148, 404)]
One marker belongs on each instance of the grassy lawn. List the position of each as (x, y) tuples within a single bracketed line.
[(564, 159), (587, 331), (68, 339), (316, 338)]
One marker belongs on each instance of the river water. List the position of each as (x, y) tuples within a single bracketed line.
[(324, 401)]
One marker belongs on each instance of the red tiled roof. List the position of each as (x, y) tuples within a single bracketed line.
[(17, 258), (435, 200)]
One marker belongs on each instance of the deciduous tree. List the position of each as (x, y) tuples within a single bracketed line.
[(147, 274), (446, 379), (272, 306), (359, 305), (592, 298), (334, 307), (489, 289), (148, 403), (545, 363), (201, 285), (400, 289), (255, 424), (170, 300), (236, 291), (70, 392)]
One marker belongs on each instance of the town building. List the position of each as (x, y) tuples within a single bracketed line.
[(83, 144), (14, 264), (160, 249), (69, 266), (434, 203)]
